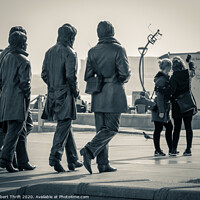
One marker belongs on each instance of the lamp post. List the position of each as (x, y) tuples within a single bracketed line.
[(151, 39)]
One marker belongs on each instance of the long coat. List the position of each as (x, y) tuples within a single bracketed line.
[(111, 59), (179, 84), (59, 73), (15, 78), (162, 101)]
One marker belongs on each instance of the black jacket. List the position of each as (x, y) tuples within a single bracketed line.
[(179, 84)]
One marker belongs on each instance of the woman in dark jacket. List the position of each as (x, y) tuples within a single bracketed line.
[(180, 84), (160, 116)]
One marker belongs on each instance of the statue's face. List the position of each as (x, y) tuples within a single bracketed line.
[(24, 47)]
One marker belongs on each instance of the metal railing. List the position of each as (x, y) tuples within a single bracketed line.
[(40, 106)]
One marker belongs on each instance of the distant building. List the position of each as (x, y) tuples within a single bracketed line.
[(37, 85), (81, 72), (196, 80)]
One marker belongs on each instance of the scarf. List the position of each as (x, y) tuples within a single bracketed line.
[(109, 39)]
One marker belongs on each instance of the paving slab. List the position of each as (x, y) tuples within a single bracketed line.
[(140, 175)]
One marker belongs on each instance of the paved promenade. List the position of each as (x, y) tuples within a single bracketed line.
[(140, 175)]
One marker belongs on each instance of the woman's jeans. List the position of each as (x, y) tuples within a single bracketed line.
[(177, 128), (168, 134)]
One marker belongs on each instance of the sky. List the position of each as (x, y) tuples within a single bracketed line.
[(178, 21)]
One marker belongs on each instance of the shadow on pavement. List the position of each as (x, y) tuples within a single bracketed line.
[(18, 181), (165, 160)]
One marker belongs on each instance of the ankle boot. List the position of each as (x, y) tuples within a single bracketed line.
[(8, 165), (26, 166), (86, 159), (106, 168), (58, 167), (74, 165)]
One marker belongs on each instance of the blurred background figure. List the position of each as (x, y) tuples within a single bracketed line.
[(80, 105), (141, 104)]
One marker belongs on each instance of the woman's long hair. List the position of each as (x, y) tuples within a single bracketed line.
[(178, 64)]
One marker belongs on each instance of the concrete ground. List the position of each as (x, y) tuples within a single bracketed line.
[(139, 174)]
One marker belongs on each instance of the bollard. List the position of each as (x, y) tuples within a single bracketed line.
[(40, 109)]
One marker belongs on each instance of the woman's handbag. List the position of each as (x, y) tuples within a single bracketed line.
[(186, 102), (94, 85)]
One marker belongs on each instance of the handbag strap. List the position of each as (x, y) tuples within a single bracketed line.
[(152, 93), (98, 73)]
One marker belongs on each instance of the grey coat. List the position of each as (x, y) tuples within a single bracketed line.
[(111, 59), (59, 73), (162, 101), (15, 78)]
